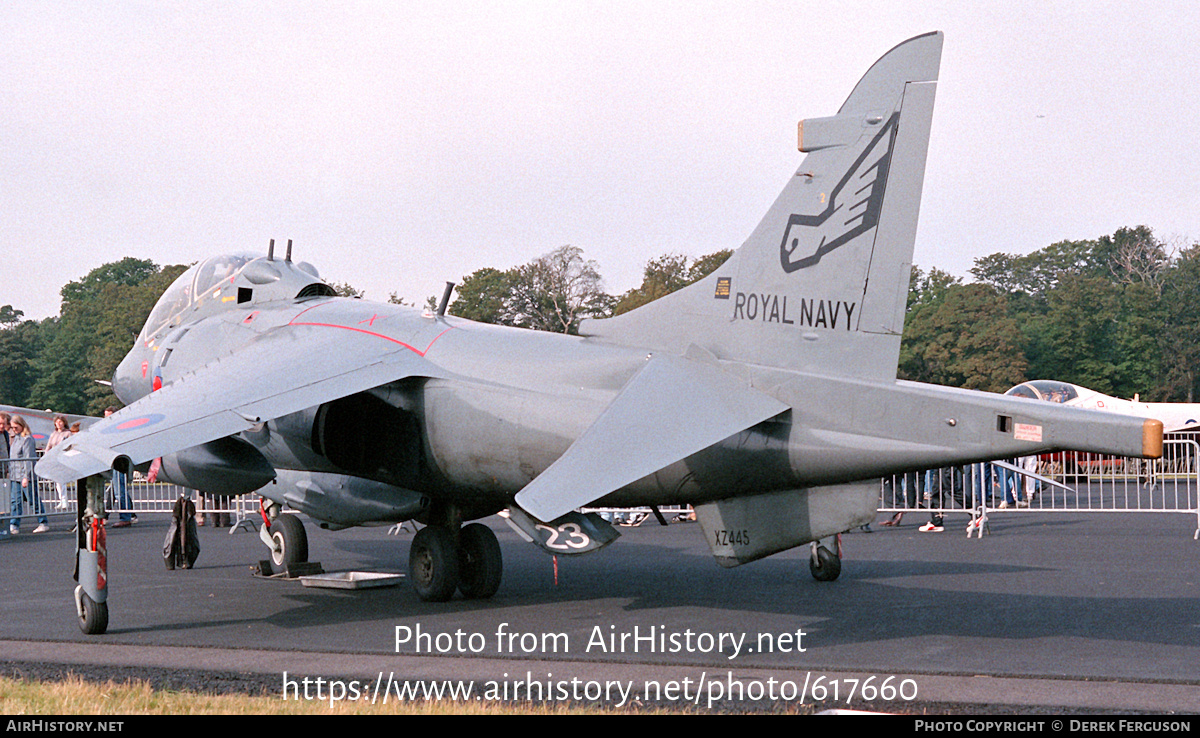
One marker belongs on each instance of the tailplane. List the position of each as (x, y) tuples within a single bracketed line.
[(821, 283)]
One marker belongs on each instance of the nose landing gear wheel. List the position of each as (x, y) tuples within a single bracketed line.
[(289, 542), (433, 564), (93, 616)]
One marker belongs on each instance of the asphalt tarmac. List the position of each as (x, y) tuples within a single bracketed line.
[(1049, 613)]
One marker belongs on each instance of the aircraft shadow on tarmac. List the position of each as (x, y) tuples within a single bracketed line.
[(875, 599), (897, 587)]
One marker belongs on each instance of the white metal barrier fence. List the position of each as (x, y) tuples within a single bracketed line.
[(1093, 483), (48, 502), (21, 496)]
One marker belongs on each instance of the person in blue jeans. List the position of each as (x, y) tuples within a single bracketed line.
[(6, 491), (120, 488), (1010, 483), (23, 481), (980, 493), (982, 479)]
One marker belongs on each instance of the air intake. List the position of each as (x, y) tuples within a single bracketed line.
[(316, 289)]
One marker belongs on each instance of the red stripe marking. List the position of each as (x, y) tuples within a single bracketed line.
[(410, 347)]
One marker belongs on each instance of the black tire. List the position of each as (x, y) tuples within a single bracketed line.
[(94, 618), (826, 567), (433, 565), (291, 542), (480, 562)]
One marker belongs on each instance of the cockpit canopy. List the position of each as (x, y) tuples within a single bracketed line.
[(195, 281), (208, 280), (1045, 389)]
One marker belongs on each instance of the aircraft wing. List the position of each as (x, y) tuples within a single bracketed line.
[(277, 374), (668, 411)]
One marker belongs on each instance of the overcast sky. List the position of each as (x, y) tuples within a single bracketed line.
[(403, 144)]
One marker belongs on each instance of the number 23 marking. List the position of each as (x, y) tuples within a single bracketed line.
[(573, 536)]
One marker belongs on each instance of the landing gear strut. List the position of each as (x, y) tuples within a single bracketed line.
[(91, 557), (442, 560)]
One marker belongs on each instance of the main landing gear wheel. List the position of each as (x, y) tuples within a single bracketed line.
[(289, 542), (480, 565), (824, 564), (433, 564), (93, 616)]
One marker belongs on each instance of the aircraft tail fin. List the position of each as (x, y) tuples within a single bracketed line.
[(821, 284)]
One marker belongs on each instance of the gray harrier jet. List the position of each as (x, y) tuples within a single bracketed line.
[(764, 395)]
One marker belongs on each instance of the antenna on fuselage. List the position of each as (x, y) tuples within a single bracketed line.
[(441, 308), (271, 251), (288, 258)]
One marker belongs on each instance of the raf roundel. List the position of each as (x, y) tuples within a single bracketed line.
[(135, 423)]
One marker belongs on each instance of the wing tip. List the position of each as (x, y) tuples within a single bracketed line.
[(1152, 439)]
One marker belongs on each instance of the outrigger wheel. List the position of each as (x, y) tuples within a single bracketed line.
[(289, 542), (824, 564)]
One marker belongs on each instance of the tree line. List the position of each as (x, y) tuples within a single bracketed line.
[(1118, 314), (59, 363)]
